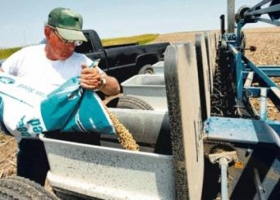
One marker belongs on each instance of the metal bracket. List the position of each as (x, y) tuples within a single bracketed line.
[(223, 159), (230, 156)]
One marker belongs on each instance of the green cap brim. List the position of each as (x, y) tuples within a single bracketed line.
[(71, 34)]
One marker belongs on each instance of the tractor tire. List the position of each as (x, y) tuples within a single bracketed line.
[(15, 187), (129, 102), (146, 69)]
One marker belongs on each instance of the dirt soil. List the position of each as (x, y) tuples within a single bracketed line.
[(266, 40)]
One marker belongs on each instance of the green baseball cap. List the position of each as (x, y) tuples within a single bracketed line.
[(68, 23)]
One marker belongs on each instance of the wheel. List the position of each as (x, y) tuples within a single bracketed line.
[(129, 102), (146, 69), (15, 187)]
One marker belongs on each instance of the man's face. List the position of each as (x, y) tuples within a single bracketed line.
[(60, 48)]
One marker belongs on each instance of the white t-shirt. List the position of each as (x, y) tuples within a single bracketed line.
[(32, 65)]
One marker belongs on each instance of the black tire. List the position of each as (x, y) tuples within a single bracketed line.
[(129, 102), (146, 69), (9, 194), (16, 187)]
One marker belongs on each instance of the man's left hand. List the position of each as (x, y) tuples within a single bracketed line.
[(90, 78)]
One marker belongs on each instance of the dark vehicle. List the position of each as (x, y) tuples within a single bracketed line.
[(1, 61), (122, 61)]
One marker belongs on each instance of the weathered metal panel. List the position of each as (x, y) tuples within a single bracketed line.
[(180, 70), (209, 59), (158, 67), (109, 173), (203, 74), (149, 88)]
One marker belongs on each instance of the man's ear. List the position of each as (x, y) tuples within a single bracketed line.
[(47, 32)]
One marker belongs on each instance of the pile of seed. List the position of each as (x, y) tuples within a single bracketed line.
[(125, 137)]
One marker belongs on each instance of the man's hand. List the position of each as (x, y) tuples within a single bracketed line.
[(90, 78)]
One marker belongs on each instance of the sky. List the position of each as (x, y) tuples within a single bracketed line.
[(22, 21)]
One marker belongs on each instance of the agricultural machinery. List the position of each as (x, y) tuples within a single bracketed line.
[(239, 136), (224, 145), (202, 126)]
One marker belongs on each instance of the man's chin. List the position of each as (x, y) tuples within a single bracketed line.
[(64, 56)]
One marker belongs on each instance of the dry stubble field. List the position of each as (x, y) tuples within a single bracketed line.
[(267, 41)]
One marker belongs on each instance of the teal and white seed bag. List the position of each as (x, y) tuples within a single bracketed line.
[(26, 111)]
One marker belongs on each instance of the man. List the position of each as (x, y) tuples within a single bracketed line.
[(50, 65)]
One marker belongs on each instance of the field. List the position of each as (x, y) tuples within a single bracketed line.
[(266, 40)]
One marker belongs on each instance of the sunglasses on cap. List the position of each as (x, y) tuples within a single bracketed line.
[(65, 42)]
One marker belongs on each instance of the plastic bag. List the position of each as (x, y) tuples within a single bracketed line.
[(27, 111)]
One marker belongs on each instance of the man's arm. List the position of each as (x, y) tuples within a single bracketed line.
[(109, 85)]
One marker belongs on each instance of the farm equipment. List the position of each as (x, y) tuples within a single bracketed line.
[(239, 136), (203, 139), (218, 106)]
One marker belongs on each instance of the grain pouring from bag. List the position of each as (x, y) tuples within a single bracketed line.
[(125, 137)]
